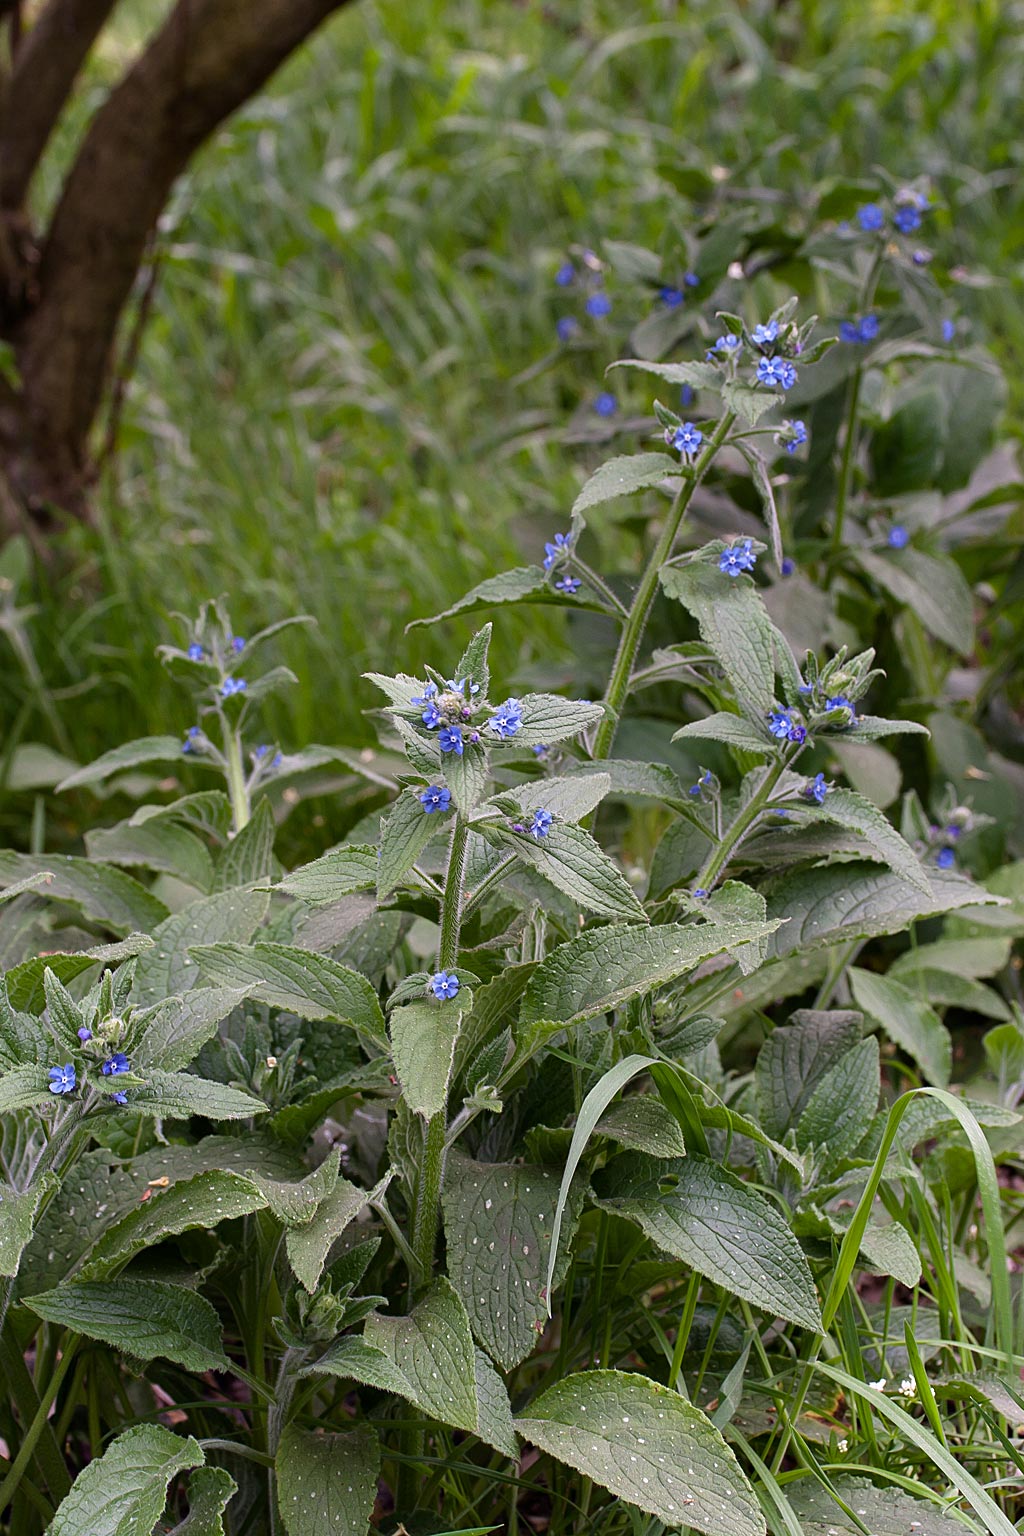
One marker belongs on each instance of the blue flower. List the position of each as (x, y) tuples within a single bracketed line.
[(429, 692), (62, 1079), (869, 328), (436, 798), (85, 1033), (907, 218), (191, 737), (945, 859), (119, 1098), (231, 686), (780, 723), (953, 831), (566, 327), (237, 644), (921, 258), (687, 395), (598, 305), (841, 702), (849, 331), (553, 552), (195, 651), (788, 566), (792, 436), (691, 280), (506, 720), (464, 685), (565, 275), (569, 584), (726, 344), (540, 826), (764, 335), (704, 782), (776, 370), (444, 985), (431, 717), (700, 894), (687, 439), (797, 735), (738, 557), (671, 297), (539, 749), (450, 740), (870, 218), (606, 404), (816, 789), (948, 330), (116, 1064), (899, 536)]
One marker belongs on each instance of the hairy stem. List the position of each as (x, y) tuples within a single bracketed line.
[(234, 768), (632, 633), (735, 834)]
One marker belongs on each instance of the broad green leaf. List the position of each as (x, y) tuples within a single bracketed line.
[(625, 476), (327, 1483), (178, 1095), (914, 1026), (643, 1124), (350, 1358), (748, 401), (840, 1110), (405, 832), (701, 1213), (890, 1250), (835, 903), (598, 970), (524, 584), (108, 896), (495, 1424), (142, 1318), (310, 985), (734, 622), (17, 1217), (423, 1037), (309, 1245), (174, 1031), (24, 1088), (697, 375), (207, 811), (850, 810), (123, 1492), (886, 1510), (467, 777), (248, 858), (963, 957), (733, 730), (547, 718), (210, 1490), (202, 1201), (946, 989), (648, 1445), (148, 749), (294, 1202), (498, 1222), (25, 982), (761, 475), (339, 873), (794, 1059), (931, 587), (872, 728), (576, 864), (568, 798), (162, 845), (167, 969), (634, 780), (733, 902)]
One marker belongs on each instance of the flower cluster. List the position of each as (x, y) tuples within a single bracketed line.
[(232, 685), (791, 436), (783, 725), (588, 276), (906, 212)]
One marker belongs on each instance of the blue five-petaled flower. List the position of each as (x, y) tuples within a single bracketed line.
[(231, 686), (945, 858), (776, 370), (606, 404), (556, 550), (435, 798), (195, 651), (817, 789), (870, 218), (63, 1079), (764, 335), (444, 985), (598, 304), (540, 826), (429, 692), (899, 536), (780, 723), (569, 584), (431, 717), (738, 557), (450, 740), (687, 439), (116, 1064), (120, 1097), (507, 719)]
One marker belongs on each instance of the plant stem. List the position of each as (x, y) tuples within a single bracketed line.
[(846, 464), (643, 600), (241, 810), (720, 856), (36, 1435)]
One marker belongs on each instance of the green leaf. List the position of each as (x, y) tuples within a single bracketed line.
[(207, 811), (889, 1250), (748, 401), (248, 858), (167, 968), (568, 799), (423, 1037), (210, 1490), (24, 1088), (697, 375), (202, 1201), (648, 1445), (701, 1213), (162, 845), (643, 1124), (25, 982), (309, 1245), (733, 902), (342, 872), (294, 1202), (498, 1222), (310, 985), (148, 749), (733, 730), (913, 1025), (872, 728), (847, 809), (142, 1318), (547, 718), (734, 622), (526, 583), (885, 1510), (405, 832), (844, 1103), (171, 1034), (598, 970), (327, 1483), (178, 1095), (123, 1492), (761, 475), (107, 896), (933, 588), (17, 1217), (794, 1059), (571, 859), (467, 777), (625, 476), (631, 780)]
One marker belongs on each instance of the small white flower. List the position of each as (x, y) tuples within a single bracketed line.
[(908, 1386), (879, 1385), (843, 1447)]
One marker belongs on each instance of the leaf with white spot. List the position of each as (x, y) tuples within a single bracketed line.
[(178, 1095), (625, 476), (310, 985), (576, 864), (174, 1031), (17, 1216), (106, 895), (840, 1110), (884, 1509), (167, 969), (142, 1318), (406, 830), (423, 1038), (327, 1483), (202, 1202), (734, 622), (342, 872), (210, 1490), (123, 1492), (794, 1059), (308, 1246)]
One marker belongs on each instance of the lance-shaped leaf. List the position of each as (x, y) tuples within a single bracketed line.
[(629, 780), (840, 1110), (161, 845), (733, 730), (914, 1026), (248, 857), (524, 584), (167, 968), (697, 375), (576, 864), (873, 728), (568, 798), (850, 810), (342, 872), (603, 967), (171, 1034), (701, 1213), (327, 1483), (294, 1202), (309, 1245), (202, 1201), (734, 622), (648, 1445), (749, 402), (467, 776), (17, 1217), (733, 902), (25, 982), (123, 1492), (178, 1095), (148, 749), (547, 718), (142, 1318), (405, 831), (310, 985), (794, 1059), (24, 1088), (498, 1222), (423, 1037), (643, 1124), (106, 895), (625, 476), (934, 588)]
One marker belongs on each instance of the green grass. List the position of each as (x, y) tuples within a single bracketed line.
[(348, 401)]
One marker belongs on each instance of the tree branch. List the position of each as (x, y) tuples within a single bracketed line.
[(208, 58), (47, 60)]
